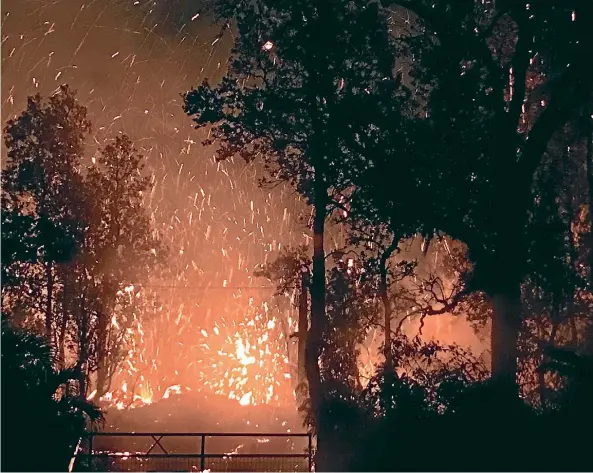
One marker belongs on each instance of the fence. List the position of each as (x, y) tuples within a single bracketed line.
[(111, 451)]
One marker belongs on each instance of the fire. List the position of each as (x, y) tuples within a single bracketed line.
[(251, 363), (246, 360), (176, 389), (146, 394), (242, 351), (124, 400), (245, 399)]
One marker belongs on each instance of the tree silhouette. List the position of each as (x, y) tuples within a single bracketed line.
[(41, 191), (308, 83), (291, 270), (497, 81), (39, 399), (77, 239), (120, 249)]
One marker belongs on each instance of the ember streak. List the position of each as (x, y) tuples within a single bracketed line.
[(129, 60)]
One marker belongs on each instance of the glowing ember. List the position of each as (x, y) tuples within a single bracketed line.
[(172, 389), (251, 361), (213, 216), (246, 399), (210, 329)]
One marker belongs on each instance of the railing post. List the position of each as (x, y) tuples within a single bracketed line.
[(203, 454), (310, 451)]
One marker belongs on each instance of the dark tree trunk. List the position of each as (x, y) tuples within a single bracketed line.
[(61, 339), (506, 323), (387, 328), (49, 303), (103, 380), (302, 339), (314, 338), (384, 294), (82, 383), (83, 352), (588, 131)]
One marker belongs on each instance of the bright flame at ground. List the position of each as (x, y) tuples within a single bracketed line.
[(245, 360), (213, 215)]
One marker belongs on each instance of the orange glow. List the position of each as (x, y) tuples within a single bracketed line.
[(245, 360)]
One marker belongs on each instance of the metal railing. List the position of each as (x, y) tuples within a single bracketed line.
[(137, 451)]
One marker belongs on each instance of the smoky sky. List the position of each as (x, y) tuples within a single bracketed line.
[(115, 53), (130, 61)]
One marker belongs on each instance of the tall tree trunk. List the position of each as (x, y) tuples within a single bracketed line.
[(389, 371), (61, 339), (103, 380), (588, 132), (49, 302), (314, 338), (83, 334), (82, 384), (506, 323), (384, 293), (302, 339)]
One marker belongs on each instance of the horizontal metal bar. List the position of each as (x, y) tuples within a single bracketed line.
[(194, 455), (193, 434)]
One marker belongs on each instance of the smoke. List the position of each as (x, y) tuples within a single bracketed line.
[(127, 59), (130, 60)]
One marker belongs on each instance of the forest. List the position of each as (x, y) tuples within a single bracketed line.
[(448, 144)]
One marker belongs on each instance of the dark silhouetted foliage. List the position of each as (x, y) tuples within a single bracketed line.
[(42, 416)]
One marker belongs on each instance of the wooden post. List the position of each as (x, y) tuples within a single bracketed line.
[(203, 454), (310, 451)]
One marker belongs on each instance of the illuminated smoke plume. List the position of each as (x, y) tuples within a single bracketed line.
[(252, 364), (129, 62)]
